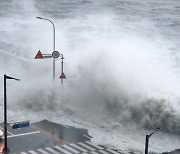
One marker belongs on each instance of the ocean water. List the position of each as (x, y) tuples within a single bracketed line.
[(122, 64)]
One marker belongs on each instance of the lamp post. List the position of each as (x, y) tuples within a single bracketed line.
[(6, 149), (53, 43), (147, 140)]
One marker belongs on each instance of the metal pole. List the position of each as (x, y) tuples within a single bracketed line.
[(146, 145), (62, 69), (147, 139), (53, 49), (5, 150), (53, 43)]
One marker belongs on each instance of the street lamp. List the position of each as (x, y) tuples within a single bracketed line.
[(6, 149), (53, 43), (147, 139)]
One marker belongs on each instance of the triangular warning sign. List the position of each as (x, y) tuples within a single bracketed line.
[(39, 55), (62, 76)]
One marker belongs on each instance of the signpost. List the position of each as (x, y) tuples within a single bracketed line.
[(54, 55), (62, 76), (39, 55)]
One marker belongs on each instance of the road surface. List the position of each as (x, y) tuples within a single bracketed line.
[(49, 138)]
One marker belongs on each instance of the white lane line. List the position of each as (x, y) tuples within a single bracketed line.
[(112, 151), (78, 147), (71, 149), (33, 152), (86, 146), (24, 134), (94, 145), (62, 150), (7, 131), (93, 152), (52, 150), (66, 126), (87, 136), (104, 152), (42, 151), (23, 153)]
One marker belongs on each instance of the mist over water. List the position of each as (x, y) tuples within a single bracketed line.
[(121, 63)]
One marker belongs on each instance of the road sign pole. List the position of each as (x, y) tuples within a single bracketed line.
[(62, 69), (53, 69), (62, 76)]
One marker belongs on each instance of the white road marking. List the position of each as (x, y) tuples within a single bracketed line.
[(42, 151), (87, 136), (79, 148), (92, 144), (93, 152), (86, 146), (7, 131), (62, 150), (24, 134), (33, 152), (66, 126), (52, 150), (112, 151), (104, 152), (71, 149)]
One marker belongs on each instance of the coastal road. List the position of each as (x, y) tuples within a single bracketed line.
[(49, 138)]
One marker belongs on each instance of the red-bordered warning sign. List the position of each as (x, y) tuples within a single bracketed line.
[(39, 55), (55, 54), (62, 76)]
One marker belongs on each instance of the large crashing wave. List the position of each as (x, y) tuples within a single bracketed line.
[(119, 69)]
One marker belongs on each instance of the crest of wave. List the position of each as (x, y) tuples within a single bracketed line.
[(113, 74), (115, 81)]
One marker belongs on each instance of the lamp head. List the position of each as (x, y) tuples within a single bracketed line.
[(158, 128), (38, 17), (9, 77)]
